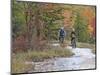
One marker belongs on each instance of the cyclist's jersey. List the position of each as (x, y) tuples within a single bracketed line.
[(62, 32)]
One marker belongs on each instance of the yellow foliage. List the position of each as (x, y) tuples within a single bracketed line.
[(90, 29)]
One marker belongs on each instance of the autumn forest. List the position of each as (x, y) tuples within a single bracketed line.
[(35, 27)]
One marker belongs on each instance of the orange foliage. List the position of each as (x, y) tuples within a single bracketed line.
[(67, 14), (90, 28), (90, 15)]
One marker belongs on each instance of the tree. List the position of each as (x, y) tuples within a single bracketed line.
[(81, 28), (52, 19), (34, 22)]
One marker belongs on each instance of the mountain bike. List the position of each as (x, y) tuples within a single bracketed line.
[(73, 43), (61, 41)]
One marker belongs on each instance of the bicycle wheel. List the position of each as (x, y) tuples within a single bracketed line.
[(73, 43)]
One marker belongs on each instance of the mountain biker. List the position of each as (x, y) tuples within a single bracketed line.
[(62, 35), (73, 38)]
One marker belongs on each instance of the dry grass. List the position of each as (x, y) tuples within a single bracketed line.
[(19, 59), (18, 65)]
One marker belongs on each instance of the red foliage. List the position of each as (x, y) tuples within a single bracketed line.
[(20, 44)]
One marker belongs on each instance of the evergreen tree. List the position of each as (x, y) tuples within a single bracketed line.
[(81, 28)]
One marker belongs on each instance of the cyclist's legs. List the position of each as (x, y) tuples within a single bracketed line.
[(61, 39), (73, 42)]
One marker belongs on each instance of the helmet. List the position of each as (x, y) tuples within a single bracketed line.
[(62, 27)]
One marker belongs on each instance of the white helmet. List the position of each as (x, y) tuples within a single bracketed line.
[(62, 27)]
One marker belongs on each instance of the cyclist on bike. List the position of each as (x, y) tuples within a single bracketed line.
[(62, 35), (73, 38)]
